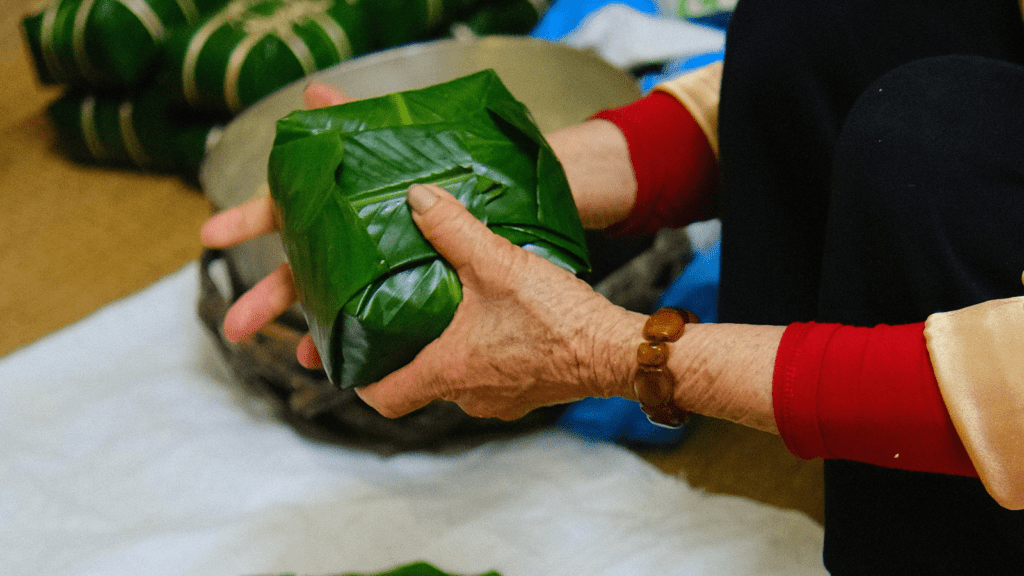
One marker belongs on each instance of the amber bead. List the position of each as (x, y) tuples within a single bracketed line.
[(667, 324), (652, 354), (653, 383), (666, 415), (652, 386)]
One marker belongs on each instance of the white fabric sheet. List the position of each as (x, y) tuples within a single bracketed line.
[(126, 448)]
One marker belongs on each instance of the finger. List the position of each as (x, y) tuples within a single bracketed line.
[(319, 95), (408, 389), (400, 393), (262, 303), (243, 222), (307, 353), (455, 233)]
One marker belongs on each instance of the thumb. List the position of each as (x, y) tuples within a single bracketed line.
[(407, 389), (455, 233), (318, 95)]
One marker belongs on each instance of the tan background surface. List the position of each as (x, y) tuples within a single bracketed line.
[(74, 238)]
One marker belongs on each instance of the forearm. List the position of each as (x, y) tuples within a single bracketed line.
[(638, 168), (865, 394), (725, 371), (595, 157)]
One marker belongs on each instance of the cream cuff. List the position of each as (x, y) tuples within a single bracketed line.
[(698, 91), (978, 357)]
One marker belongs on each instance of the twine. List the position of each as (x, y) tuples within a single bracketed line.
[(133, 146), (189, 11), (149, 19), (85, 66), (87, 116), (47, 24)]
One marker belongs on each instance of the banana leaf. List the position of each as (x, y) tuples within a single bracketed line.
[(375, 292)]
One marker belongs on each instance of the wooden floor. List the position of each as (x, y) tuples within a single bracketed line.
[(74, 238)]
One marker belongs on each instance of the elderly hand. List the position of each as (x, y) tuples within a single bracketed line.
[(269, 298), (518, 341), (524, 336), (528, 333)]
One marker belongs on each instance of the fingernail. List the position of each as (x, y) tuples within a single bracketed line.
[(420, 198)]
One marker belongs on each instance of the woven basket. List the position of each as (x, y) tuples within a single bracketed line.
[(307, 400)]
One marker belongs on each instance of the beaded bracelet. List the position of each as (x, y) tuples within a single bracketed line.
[(653, 383)]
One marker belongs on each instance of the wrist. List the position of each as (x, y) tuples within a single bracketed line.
[(609, 352), (654, 383), (719, 370), (725, 371)]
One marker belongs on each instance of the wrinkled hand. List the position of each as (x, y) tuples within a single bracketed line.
[(273, 295), (523, 336)]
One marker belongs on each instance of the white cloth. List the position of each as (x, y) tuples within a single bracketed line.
[(127, 448)]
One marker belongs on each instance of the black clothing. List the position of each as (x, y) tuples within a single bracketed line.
[(873, 172)]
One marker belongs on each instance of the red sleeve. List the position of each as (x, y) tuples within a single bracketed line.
[(676, 169), (864, 394)]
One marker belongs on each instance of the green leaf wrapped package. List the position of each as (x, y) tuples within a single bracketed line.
[(509, 17), (251, 48), (144, 130), (106, 43), (396, 22), (374, 290)]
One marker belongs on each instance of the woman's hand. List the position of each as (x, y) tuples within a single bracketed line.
[(523, 337), (273, 295), (526, 334)]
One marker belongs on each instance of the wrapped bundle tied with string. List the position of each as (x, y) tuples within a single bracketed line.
[(511, 17), (251, 48), (373, 289), (210, 59), (106, 43), (146, 131), (397, 22)]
